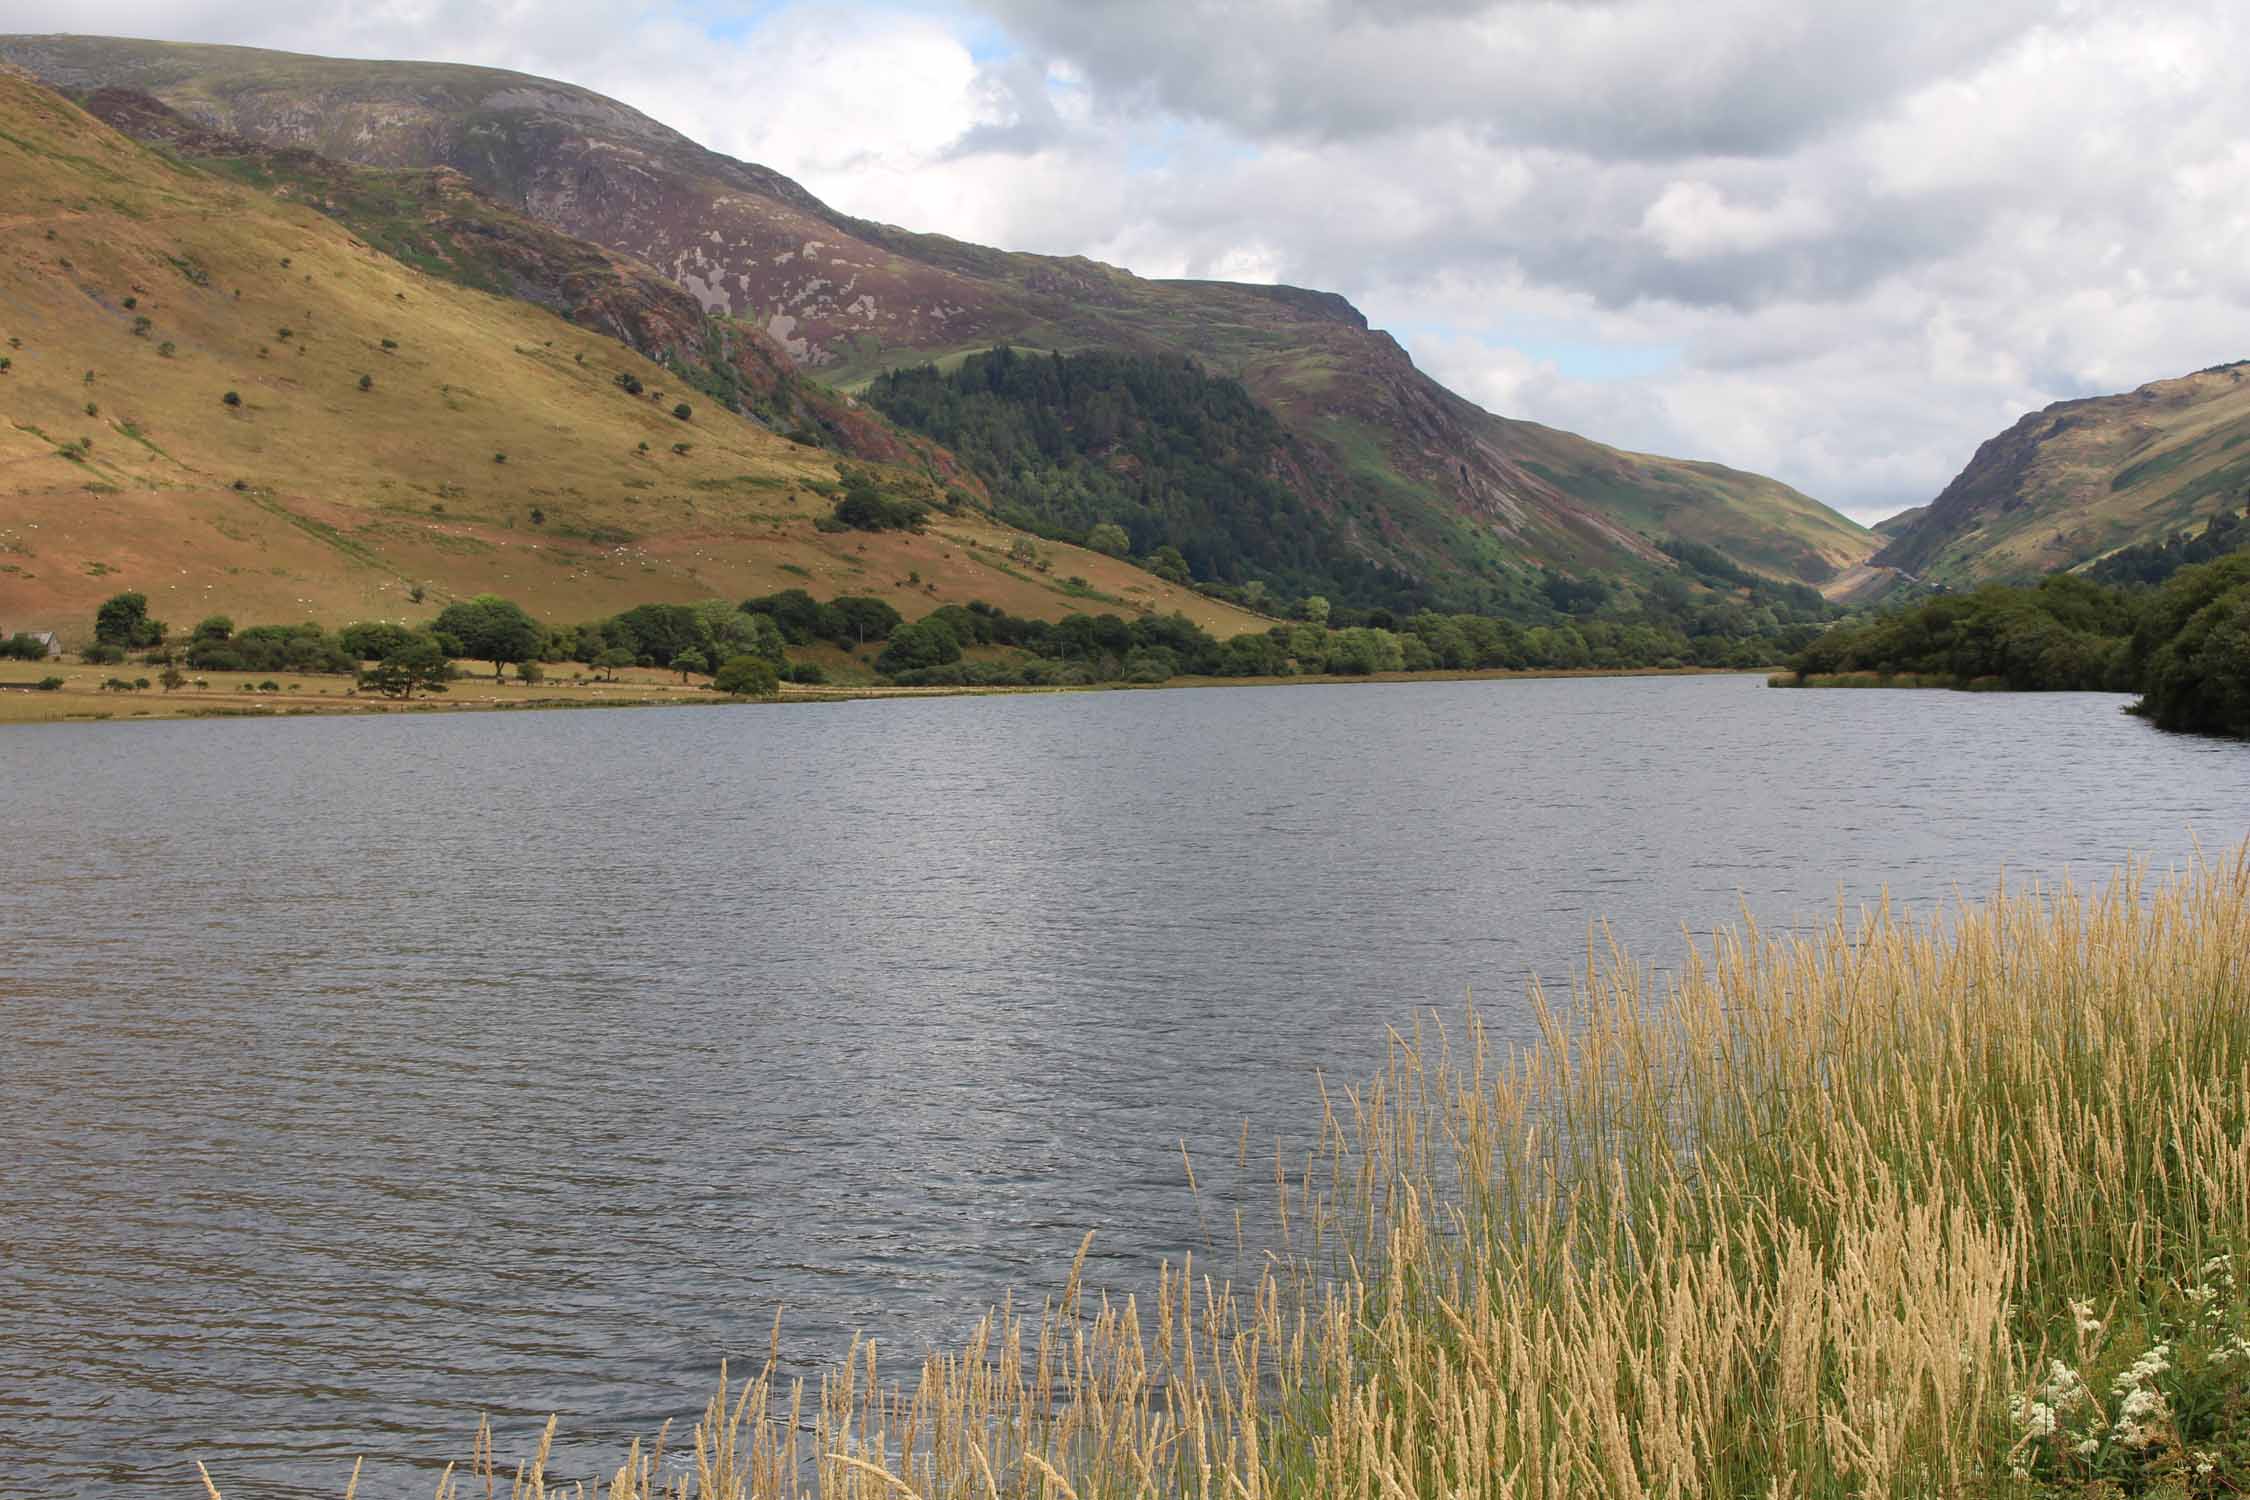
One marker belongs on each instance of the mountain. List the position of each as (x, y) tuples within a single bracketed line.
[(1420, 482), (437, 221), (2081, 479), (230, 401)]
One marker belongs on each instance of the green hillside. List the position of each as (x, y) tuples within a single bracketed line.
[(2081, 479)]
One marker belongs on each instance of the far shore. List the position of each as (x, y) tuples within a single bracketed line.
[(1903, 680), (83, 699)]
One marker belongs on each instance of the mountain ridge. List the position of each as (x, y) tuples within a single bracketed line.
[(233, 403), (1423, 481), (2076, 480)]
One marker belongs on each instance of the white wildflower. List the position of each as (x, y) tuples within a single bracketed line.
[(2088, 1447), (2084, 1313), (2155, 1362), (2202, 1295), (2063, 1388), (2137, 1416)]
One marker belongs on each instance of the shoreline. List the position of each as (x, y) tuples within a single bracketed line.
[(76, 704), (1916, 681)]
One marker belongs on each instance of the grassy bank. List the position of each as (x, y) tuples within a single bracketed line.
[(83, 698), (1887, 1210), (1887, 680)]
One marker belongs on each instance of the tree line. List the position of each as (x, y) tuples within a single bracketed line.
[(2183, 645), (1142, 455), (745, 648)]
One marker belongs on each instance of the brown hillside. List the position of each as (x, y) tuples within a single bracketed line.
[(1421, 481), (121, 466)]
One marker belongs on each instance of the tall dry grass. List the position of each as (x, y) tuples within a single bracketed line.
[(1808, 1218)]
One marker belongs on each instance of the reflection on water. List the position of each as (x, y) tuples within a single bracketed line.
[(360, 1075)]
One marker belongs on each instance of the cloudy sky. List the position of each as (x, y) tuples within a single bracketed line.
[(1833, 241)]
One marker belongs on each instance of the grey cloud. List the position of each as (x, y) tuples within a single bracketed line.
[(1612, 78)]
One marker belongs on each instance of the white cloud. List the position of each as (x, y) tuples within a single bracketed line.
[(1696, 221)]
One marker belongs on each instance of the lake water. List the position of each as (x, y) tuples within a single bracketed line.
[(358, 1075)]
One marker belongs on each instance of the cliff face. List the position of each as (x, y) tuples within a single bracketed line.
[(436, 219), (2079, 479), (1428, 483)]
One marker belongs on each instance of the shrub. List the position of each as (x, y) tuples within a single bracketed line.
[(50, 684), (866, 508), (390, 343), (166, 349), (141, 326), (925, 643), (1109, 537), (496, 629), (683, 411), (231, 398), (372, 640), (747, 677), (629, 383), (367, 382), (499, 458), (417, 663), (123, 622)]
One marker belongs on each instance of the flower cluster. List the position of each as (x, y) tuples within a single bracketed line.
[(2133, 1425), (2141, 1408)]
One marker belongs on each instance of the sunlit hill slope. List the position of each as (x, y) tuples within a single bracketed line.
[(1462, 505), (389, 431), (2080, 479)]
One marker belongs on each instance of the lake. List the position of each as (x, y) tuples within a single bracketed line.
[(358, 1075)]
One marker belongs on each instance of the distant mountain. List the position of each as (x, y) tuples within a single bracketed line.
[(1423, 485), (235, 403), (2081, 479)]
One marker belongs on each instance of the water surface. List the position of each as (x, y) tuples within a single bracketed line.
[(357, 1075)]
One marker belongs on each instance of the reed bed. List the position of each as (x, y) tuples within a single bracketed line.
[(1893, 1208)]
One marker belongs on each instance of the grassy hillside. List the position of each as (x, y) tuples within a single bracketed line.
[(1415, 480), (490, 448), (2081, 479)]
